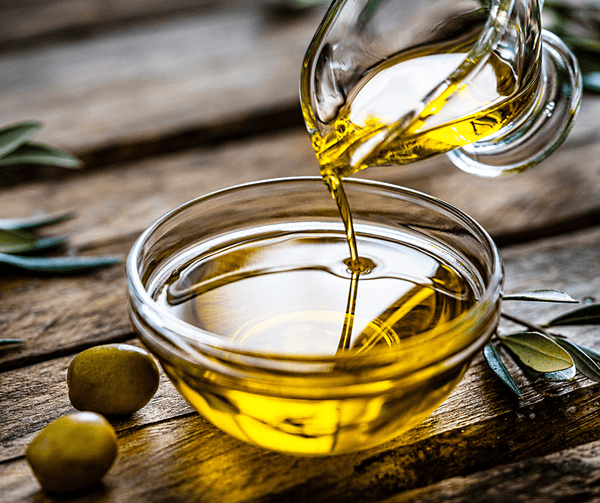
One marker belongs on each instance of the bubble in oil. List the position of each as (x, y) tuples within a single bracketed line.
[(290, 295)]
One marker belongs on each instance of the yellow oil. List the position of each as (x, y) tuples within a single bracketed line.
[(289, 294), (384, 120), (377, 125), (317, 426)]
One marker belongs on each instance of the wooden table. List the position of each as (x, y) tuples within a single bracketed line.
[(191, 97)]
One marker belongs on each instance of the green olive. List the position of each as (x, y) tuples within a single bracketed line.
[(113, 380), (72, 452)]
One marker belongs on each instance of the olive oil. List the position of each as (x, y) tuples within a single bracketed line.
[(294, 293), (414, 106), (407, 108), (380, 124), (288, 293)]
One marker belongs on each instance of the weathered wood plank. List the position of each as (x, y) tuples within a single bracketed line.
[(572, 475), (33, 19), (178, 79), (30, 23), (123, 200), (34, 396), (59, 315)]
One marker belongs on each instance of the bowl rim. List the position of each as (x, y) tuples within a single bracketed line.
[(171, 328)]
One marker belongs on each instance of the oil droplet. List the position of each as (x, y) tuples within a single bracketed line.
[(362, 265)]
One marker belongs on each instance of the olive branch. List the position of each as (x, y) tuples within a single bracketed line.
[(542, 353), (20, 244), (579, 27)]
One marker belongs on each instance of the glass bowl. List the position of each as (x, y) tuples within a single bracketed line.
[(283, 241)]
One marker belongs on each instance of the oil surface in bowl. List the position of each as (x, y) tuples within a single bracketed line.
[(291, 292)]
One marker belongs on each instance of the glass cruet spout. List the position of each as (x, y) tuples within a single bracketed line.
[(390, 82)]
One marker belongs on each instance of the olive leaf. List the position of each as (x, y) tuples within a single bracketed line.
[(541, 296), (591, 353), (303, 4), (537, 351), (497, 365), (586, 315), (584, 362), (12, 137), (58, 265), (35, 153), (591, 81), (50, 242), (588, 54), (16, 241), (35, 222), (578, 27), (6, 342), (558, 376)]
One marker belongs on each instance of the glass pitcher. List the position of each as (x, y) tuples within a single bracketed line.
[(395, 81)]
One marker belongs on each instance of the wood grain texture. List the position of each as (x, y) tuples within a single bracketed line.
[(33, 19), (188, 460), (59, 315), (34, 23), (172, 79), (124, 200), (572, 475)]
